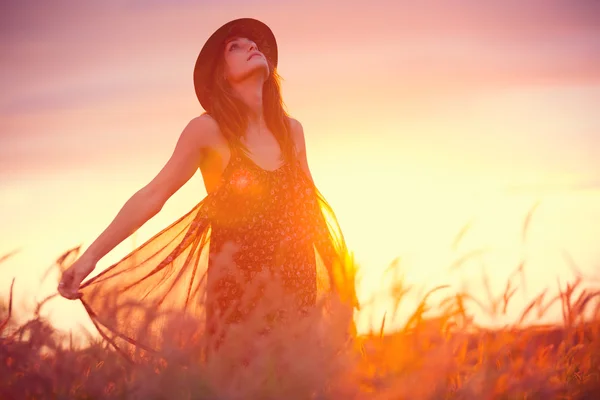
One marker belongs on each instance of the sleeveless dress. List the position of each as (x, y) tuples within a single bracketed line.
[(273, 225)]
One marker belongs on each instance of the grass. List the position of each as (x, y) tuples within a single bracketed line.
[(447, 357)]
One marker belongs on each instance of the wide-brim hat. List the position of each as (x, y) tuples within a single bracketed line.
[(250, 28)]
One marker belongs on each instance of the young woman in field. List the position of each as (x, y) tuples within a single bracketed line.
[(262, 226)]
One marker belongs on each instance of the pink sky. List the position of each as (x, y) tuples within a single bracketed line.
[(404, 59), (436, 110)]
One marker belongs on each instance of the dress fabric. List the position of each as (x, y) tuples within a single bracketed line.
[(257, 223)]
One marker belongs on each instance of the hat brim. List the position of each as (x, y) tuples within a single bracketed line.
[(250, 28)]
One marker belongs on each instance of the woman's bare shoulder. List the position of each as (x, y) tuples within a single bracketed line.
[(295, 125), (204, 130), (297, 133)]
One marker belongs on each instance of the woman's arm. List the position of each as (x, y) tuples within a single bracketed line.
[(329, 240), (149, 200), (146, 202)]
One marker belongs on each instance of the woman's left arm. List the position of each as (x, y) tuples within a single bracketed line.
[(332, 250)]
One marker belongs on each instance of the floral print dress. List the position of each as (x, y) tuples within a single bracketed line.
[(259, 229)]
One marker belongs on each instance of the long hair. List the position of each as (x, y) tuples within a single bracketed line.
[(231, 114)]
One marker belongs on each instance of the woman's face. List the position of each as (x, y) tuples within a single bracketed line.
[(243, 59)]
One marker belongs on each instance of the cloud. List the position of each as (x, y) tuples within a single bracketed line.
[(72, 53)]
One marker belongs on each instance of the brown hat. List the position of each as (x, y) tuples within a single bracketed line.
[(249, 28)]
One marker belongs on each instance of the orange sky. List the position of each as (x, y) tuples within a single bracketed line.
[(419, 116)]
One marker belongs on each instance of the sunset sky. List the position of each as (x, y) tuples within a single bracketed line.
[(419, 116)]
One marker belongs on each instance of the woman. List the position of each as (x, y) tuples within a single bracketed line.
[(262, 217)]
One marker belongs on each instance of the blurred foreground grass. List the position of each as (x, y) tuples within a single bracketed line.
[(447, 357)]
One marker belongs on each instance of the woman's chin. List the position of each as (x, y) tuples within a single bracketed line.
[(259, 69)]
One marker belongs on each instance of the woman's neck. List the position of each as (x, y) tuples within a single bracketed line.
[(250, 91)]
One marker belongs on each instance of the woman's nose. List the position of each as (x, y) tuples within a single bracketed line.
[(252, 46)]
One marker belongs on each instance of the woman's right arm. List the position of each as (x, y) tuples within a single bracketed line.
[(149, 200), (145, 203)]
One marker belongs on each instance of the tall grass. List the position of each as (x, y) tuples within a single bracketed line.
[(447, 357)]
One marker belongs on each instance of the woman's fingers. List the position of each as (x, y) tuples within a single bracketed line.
[(69, 292), (68, 286)]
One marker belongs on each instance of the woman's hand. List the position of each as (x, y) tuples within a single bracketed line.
[(71, 279)]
